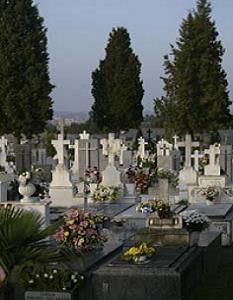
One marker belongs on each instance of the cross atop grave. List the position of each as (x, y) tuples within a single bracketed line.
[(163, 148), (77, 148), (141, 148), (3, 144), (188, 144), (196, 157), (122, 149), (111, 148), (175, 138), (59, 146), (213, 168), (84, 135)]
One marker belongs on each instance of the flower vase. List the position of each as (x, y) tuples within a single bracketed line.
[(209, 202), (140, 259), (194, 238)]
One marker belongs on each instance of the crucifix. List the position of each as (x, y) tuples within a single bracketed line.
[(111, 148), (59, 146), (213, 152), (175, 138), (87, 150), (122, 149), (196, 157), (188, 144), (141, 147)]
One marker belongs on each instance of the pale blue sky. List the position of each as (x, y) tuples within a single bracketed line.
[(78, 32)]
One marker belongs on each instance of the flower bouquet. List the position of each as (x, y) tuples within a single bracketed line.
[(139, 254), (142, 182), (130, 174), (106, 193), (194, 221), (210, 192), (79, 231), (92, 175), (168, 174)]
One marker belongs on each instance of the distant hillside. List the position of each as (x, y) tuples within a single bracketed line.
[(76, 116)]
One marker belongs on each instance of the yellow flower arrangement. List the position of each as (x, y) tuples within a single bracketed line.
[(142, 250)]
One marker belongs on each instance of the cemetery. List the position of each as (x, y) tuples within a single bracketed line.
[(155, 222), (122, 204)]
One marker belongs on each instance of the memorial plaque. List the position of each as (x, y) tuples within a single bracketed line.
[(35, 295)]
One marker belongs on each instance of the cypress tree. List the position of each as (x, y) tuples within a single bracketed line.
[(116, 86), (196, 97), (25, 104)]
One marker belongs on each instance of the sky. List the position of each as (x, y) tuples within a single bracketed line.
[(78, 32)]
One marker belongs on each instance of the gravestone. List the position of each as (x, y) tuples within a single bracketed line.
[(61, 189), (212, 175), (196, 157), (142, 153), (111, 148), (187, 176), (226, 161), (164, 155), (23, 157)]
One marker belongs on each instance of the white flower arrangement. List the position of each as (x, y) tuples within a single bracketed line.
[(106, 193), (194, 221)]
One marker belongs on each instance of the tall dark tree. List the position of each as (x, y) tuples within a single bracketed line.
[(116, 85), (196, 97), (25, 104)]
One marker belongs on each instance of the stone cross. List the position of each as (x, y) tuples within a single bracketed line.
[(111, 148), (59, 146), (213, 168), (122, 149), (188, 144), (196, 157), (84, 135), (3, 144), (163, 148), (141, 148), (87, 149), (175, 138)]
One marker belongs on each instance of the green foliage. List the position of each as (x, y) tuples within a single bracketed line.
[(25, 87), (23, 242), (116, 86), (196, 97)]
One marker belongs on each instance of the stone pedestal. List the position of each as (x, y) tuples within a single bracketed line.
[(111, 177), (212, 180), (41, 207), (60, 177), (188, 176)]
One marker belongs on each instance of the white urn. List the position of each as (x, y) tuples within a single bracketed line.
[(27, 191)]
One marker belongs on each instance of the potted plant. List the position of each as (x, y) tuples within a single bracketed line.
[(142, 182), (139, 254), (195, 223)]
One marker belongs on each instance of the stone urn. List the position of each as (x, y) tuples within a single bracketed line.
[(26, 188)]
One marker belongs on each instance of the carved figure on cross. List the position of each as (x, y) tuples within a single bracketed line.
[(111, 148)]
